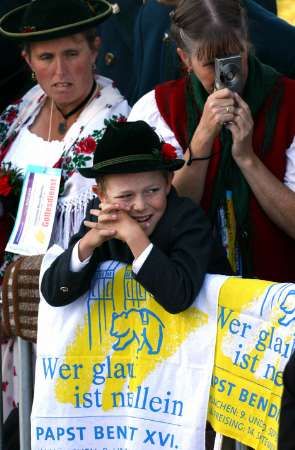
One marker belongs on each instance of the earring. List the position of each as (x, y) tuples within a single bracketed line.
[(33, 76)]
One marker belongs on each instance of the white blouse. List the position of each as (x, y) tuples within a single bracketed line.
[(28, 148)]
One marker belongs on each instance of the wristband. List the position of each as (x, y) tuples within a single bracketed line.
[(196, 158)]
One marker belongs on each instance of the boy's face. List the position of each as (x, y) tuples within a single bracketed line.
[(144, 194)]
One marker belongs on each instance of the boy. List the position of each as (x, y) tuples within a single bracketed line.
[(140, 220)]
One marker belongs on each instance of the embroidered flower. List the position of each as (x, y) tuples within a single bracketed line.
[(168, 151), (4, 386), (10, 116), (114, 119), (7, 144), (78, 155), (5, 186), (7, 117), (121, 118), (17, 101), (87, 145), (58, 163), (11, 179)]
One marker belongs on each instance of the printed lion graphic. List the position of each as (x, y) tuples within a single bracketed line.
[(141, 325)]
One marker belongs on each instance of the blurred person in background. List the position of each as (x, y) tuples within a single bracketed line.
[(15, 77), (138, 53)]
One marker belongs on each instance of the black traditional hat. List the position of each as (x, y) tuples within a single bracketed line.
[(41, 20), (129, 147)]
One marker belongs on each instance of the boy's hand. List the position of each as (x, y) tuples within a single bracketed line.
[(128, 230), (113, 221), (100, 231), (127, 227), (118, 217)]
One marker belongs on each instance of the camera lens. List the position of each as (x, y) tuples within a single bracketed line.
[(229, 76), (228, 73)]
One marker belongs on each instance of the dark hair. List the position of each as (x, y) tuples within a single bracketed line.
[(209, 28), (90, 35)]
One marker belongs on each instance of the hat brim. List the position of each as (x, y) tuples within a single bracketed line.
[(10, 21), (133, 167)]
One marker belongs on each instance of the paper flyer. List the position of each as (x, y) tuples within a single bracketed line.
[(35, 216)]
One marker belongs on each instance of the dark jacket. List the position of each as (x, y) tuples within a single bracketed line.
[(115, 57), (270, 5), (174, 271), (273, 38)]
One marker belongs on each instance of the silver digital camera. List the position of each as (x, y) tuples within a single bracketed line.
[(228, 73)]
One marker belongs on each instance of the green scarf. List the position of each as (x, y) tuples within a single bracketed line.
[(260, 82)]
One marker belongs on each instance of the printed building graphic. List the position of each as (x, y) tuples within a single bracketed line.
[(101, 293)]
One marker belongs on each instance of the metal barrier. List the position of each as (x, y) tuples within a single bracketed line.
[(1, 404), (25, 392), (220, 441), (240, 446)]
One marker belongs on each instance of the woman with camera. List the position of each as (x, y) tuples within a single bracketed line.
[(239, 146)]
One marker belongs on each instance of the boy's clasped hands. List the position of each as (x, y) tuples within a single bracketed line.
[(113, 221)]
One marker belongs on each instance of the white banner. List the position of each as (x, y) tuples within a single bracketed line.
[(35, 217), (116, 371)]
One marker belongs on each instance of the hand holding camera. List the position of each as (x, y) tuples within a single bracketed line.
[(218, 109), (241, 128), (228, 74), (223, 106)]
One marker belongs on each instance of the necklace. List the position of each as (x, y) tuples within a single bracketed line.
[(62, 126)]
